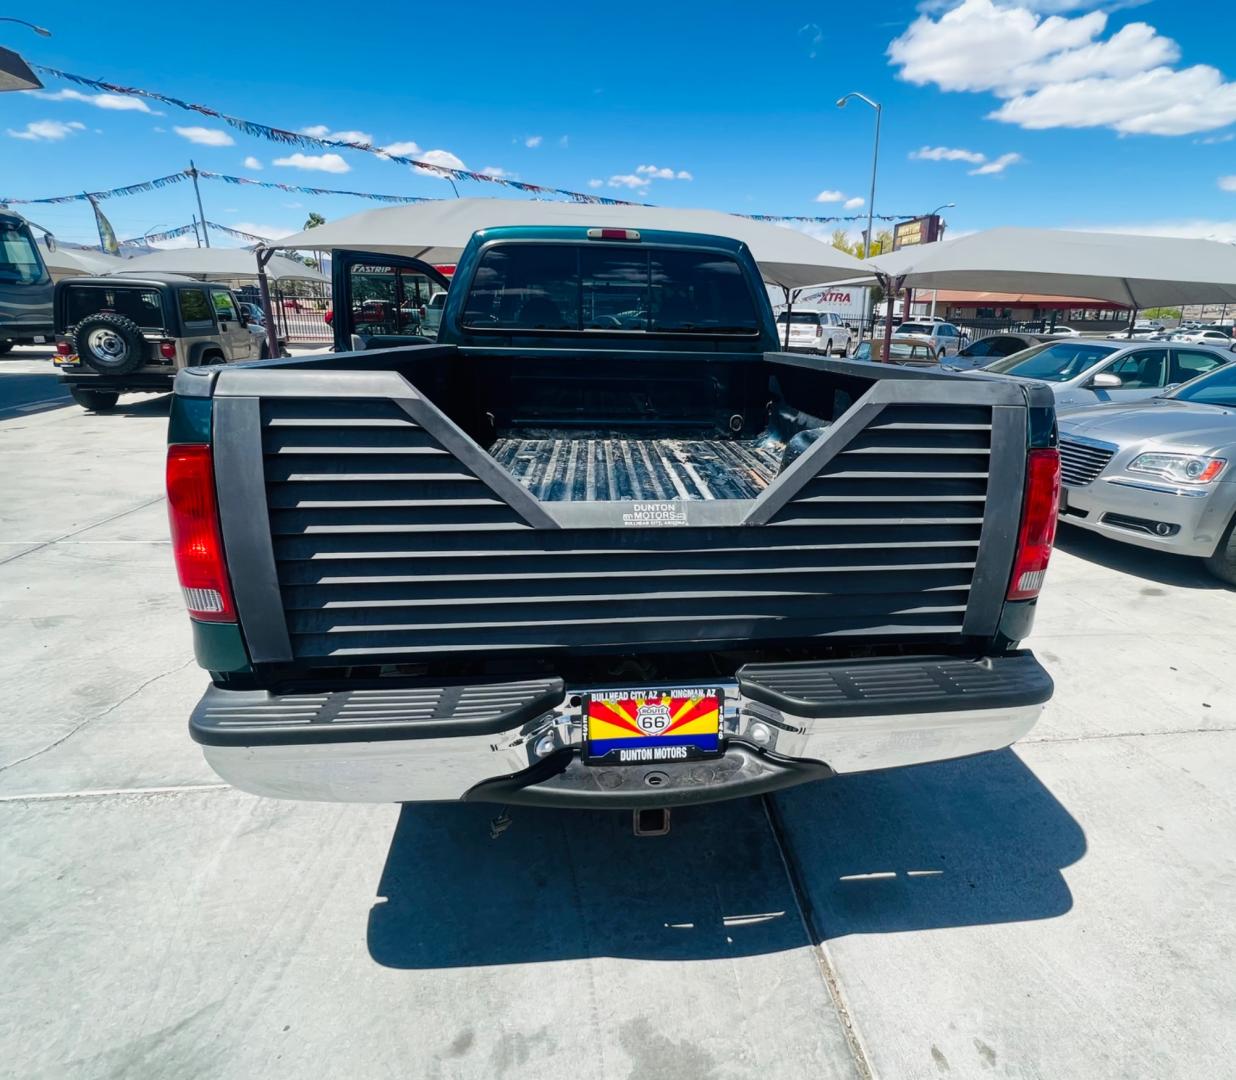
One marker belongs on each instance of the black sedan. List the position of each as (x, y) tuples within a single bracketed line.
[(986, 349)]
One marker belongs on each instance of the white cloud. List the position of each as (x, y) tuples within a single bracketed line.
[(47, 130), (120, 102), (186, 241), (331, 163), (1055, 71), (407, 148), (1214, 140), (993, 168), (252, 163), (257, 228), (494, 170), (830, 196), (205, 136), (947, 153), (533, 141), (596, 182), (854, 203), (321, 131), (1227, 183), (628, 180), (655, 172), (1187, 228), (441, 157)]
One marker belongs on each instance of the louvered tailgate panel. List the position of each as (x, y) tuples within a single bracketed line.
[(388, 547)]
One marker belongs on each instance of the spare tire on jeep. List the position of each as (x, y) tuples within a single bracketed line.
[(110, 344)]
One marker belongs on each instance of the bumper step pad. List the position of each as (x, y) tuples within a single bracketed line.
[(258, 717), (901, 684)]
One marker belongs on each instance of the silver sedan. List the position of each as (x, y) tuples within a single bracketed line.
[(1086, 371), (1159, 474)]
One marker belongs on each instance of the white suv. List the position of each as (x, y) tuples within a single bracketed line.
[(944, 338), (820, 331)]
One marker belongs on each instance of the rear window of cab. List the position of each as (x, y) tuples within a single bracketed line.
[(144, 306), (563, 287)]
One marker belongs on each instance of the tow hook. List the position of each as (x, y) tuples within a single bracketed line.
[(650, 821)]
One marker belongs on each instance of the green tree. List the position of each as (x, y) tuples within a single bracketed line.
[(314, 220), (1162, 313)]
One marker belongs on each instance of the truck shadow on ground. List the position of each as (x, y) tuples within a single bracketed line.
[(961, 843), (1164, 567)]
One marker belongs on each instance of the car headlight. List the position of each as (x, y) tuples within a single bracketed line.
[(1183, 468)]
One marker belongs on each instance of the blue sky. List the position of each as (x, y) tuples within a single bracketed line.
[(1032, 112)]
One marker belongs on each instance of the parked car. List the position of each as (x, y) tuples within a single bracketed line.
[(433, 315), (25, 286), (253, 313), (542, 563), (821, 331), (1159, 474), (1083, 371), (1062, 331), (1138, 333), (1205, 335), (119, 334), (911, 351), (944, 338), (985, 350)]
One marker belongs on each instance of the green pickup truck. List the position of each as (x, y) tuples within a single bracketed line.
[(600, 543)]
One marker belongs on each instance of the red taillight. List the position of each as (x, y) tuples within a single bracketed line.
[(167, 350), (197, 543), (64, 348), (1038, 524)]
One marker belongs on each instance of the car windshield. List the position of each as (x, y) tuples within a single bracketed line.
[(800, 318), (19, 259), (1055, 361), (1217, 388), (914, 328)]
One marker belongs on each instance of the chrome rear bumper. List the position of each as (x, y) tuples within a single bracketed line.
[(782, 725)]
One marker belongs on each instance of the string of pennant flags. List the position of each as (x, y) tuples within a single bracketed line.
[(299, 138), (185, 230), (302, 189)]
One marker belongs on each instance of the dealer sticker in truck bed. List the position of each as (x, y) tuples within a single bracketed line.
[(634, 727)]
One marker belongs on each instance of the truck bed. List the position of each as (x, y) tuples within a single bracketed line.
[(608, 468)]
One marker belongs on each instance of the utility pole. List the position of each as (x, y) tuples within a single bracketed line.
[(200, 212)]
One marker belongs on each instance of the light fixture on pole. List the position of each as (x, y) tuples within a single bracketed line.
[(41, 31), (875, 161), (15, 73)]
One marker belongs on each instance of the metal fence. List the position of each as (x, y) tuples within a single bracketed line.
[(299, 310)]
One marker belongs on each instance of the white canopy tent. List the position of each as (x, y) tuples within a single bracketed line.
[(1141, 271), (437, 232), (218, 264), (78, 262)]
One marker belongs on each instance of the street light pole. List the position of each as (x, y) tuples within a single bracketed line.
[(939, 235), (875, 162)]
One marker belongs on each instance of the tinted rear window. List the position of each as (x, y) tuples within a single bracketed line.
[(193, 306), (142, 305), (537, 287)]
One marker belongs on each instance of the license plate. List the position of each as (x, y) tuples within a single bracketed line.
[(65, 361), (635, 727)]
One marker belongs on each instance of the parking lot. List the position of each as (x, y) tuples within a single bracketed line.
[(1059, 909)]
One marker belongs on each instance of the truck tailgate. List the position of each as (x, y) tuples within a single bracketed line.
[(388, 535)]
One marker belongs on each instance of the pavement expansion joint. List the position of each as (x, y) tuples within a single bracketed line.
[(816, 941)]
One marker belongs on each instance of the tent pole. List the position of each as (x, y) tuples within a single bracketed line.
[(272, 331), (789, 311), (890, 291)]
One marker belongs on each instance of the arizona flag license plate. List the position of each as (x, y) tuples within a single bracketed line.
[(633, 727)]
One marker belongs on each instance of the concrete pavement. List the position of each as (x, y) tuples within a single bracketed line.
[(1060, 909)]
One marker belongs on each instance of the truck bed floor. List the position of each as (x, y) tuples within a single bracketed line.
[(612, 469)]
